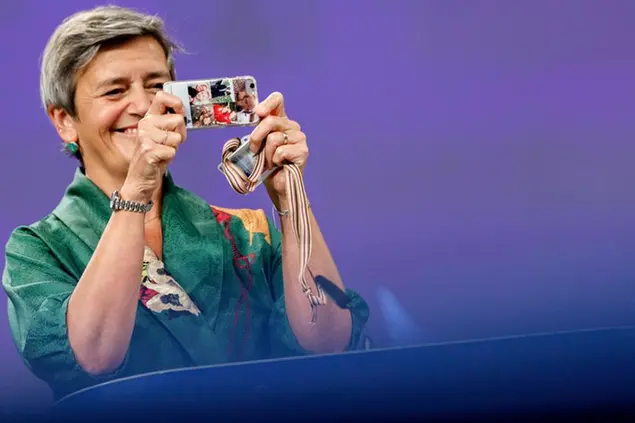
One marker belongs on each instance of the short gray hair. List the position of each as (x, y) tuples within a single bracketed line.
[(78, 39)]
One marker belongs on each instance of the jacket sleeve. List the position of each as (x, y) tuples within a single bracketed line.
[(284, 342), (39, 289)]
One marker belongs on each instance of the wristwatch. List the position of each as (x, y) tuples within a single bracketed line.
[(117, 203)]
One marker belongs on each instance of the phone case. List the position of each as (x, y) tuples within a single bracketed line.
[(218, 102)]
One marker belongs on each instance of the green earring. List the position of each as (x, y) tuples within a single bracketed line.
[(71, 149)]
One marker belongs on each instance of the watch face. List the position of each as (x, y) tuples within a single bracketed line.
[(113, 198)]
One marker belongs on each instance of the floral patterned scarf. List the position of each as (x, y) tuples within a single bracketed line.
[(159, 291)]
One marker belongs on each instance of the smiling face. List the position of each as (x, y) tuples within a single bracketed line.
[(113, 93)]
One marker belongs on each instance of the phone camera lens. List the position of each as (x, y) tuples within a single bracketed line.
[(252, 85)]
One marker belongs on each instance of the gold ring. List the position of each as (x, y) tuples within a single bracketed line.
[(286, 138)]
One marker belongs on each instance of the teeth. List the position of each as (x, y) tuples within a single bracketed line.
[(130, 131)]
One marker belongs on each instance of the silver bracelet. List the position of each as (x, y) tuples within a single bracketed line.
[(285, 212)]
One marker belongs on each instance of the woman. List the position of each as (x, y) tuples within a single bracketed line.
[(98, 290)]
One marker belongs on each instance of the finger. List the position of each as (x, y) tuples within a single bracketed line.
[(268, 125), (272, 105), (277, 139), (291, 153), (173, 123), (169, 122), (274, 140), (163, 102), (154, 153), (162, 136), (164, 154)]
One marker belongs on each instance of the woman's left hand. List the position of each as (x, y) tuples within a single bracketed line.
[(284, 142)]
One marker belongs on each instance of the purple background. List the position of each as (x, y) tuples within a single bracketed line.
[(474, 158)]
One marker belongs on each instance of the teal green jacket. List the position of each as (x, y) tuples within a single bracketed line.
[(227, 261)]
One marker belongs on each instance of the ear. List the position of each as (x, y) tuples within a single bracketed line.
[(64, 124)]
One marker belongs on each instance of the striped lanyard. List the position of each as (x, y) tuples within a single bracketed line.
[(298, 210)]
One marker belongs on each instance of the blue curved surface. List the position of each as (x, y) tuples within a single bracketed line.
[(522, 375)]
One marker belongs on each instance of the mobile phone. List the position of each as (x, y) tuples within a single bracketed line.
[(217, 102)]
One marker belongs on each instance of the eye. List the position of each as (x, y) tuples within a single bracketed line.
[(158, 86), (115, 92)]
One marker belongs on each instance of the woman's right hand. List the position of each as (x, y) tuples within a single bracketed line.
[(159, 135)]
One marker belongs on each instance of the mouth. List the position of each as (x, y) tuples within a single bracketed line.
[(130, 131)]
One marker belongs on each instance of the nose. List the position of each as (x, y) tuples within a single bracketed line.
[(140, 101)]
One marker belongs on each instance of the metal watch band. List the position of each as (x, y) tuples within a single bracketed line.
[(117, 203)]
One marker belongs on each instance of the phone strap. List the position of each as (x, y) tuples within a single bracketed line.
[(298, 212)]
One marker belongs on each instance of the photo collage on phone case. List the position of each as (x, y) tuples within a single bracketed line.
[(222, 102)]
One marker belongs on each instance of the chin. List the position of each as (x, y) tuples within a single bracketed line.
[(124, 142), (124, 149)]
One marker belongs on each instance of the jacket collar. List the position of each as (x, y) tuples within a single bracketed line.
[(197, 264)]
